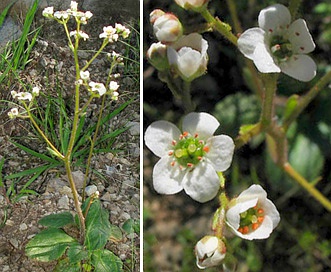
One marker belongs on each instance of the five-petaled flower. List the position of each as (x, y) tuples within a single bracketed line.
[(209, 251), (189, 56), (189, 160), (251, 215), (98, 87), (278, 45)]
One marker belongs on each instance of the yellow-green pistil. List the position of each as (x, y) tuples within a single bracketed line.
[(281, 48), (250, 220), (188, 150)]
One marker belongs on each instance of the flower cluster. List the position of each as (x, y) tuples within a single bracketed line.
[(278, 45), (22, 97), (111, 34), (186, 55), (190, 159)]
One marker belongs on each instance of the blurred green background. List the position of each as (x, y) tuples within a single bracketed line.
[(173, 224)]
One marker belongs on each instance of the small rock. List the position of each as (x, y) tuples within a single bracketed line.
[(134, 129), (79, 177), (125, 216), (91, 189), (23, 226), (63, 203), (107, 197), (55, 185), (5, 268), (14, 242)]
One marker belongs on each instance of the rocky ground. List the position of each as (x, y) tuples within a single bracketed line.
[(52, 65)]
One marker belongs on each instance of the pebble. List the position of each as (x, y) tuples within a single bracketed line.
[(134, 129), (63, 202), (23, 226), (91, 189), (14, 242)]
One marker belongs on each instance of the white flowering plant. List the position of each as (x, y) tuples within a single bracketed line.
[(257, 76), (85, 251)]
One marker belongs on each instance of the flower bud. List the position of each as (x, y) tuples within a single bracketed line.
[(156, 13), (188, 56), (209, 251), (191, 4), (167, 28), (157, 56)]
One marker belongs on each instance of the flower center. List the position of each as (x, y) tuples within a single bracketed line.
[(188, 150), (250, 220), (281, 48)]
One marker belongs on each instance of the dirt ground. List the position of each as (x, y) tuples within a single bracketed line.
[(52, 64)]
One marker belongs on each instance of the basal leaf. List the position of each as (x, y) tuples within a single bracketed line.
[(105, 261), (48, 245), (58, 220)]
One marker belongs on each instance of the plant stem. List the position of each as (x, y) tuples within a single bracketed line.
[(307, 98), (219, 26), (234, 15), (307, 186), (270, 83), (186, 97)]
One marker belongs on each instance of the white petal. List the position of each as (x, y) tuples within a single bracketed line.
[(167, 179), (254, 191), (276, 17), (300, 38), (172, 55), (202, 184), (262, 232), (271, 211), (200, 122), (300, 67), (220, 153), (159, 136), (188, 61), (263, 60), (193, 40), (248, 41), (233, 213)]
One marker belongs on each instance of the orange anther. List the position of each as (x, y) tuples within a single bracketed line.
[(260, 211), (240, 230), (206, 149), (199, 158), (170, 153), (255, 226), (173, 163), (185, 133), (173, 142), (245, 230), (260, 219), (196, 135), (190, 165)]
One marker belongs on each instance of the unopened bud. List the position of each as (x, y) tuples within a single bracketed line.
[(167, 28), (157, 56)]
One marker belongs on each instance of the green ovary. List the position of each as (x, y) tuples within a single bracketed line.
[(189, 151), (281, 48)]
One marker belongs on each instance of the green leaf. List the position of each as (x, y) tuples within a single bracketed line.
[(58, 220), (131, 226), (48, 245), (66, 265), (105, 261), (115, 234), (98, 227), (77, 253)]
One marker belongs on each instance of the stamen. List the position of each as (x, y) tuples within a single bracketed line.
[(190, 165), (170, 153), (196, 135), (173, 142), (255, 226), (199, 158), (185, 133), (173, 163), (260, 219), (206, 149), (260, 211)]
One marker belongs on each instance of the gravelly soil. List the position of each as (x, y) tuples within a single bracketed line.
[(51, 65)]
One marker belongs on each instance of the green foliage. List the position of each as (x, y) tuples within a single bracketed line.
[(54, 243), (131, 226), (16, 55)]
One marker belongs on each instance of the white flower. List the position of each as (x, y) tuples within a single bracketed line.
[(251, 215), (209, 251), (109, 33), (73, 5), (191, 4), (61, 15), (48, 12), (35, 91), (85, 75), (278, 45), (98, 87), (113, 86), (23, 96), (13, 113), (189, 56), (114, 96), (81, 34), (167, 28), (88, 14), (189, 160), (122, 30)]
